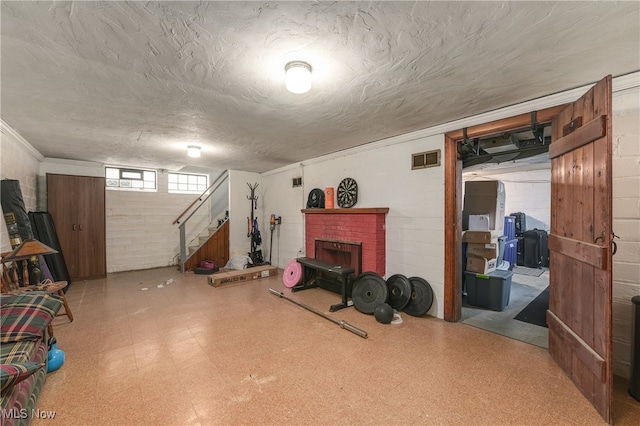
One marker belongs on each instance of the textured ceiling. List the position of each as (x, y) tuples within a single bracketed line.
[(134, 83)]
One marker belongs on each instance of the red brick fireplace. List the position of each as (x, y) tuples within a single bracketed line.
[(358, 225)]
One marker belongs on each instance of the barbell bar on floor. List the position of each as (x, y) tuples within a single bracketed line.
[(341, 323)]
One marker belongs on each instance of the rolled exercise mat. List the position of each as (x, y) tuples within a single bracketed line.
[(292, 274), (328, 197)]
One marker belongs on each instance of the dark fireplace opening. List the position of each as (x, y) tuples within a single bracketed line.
[(335, 256), (344, 253)]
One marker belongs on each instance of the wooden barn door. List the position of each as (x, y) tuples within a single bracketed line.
[(580, 245)]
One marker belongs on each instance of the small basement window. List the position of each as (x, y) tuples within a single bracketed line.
[(183, 183), (127, 179)]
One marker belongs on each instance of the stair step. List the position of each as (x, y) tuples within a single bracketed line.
[(206, 235)]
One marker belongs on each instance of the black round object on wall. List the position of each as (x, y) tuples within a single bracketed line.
[(315, 199), (347, 193)]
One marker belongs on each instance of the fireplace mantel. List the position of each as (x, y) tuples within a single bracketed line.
[(366, 210)]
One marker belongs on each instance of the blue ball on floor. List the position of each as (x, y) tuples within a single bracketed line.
[(55, 358)]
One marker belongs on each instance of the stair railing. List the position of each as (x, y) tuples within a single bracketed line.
[(201, 199), (216, 182)]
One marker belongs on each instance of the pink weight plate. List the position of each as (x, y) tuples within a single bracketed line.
[(292, 274)]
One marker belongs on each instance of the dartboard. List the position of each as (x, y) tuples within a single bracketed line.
[(347, 193)]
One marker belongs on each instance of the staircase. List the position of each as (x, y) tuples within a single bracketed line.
[(211, 242), (211, 230)]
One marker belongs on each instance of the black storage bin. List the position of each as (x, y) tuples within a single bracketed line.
[(634, 380), (491, 291)]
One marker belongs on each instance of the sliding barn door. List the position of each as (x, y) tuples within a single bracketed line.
[(580, 245)]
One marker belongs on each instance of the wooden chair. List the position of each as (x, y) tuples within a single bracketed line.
[(11, 283)]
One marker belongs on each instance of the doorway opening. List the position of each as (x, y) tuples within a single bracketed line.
[(520, 161), (454, 161)]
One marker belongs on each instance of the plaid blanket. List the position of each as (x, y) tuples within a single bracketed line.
[(26, 316), (24, 319)]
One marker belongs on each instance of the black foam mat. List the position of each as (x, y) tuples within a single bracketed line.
[(536, 311)]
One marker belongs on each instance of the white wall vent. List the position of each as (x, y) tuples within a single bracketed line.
[(422, 160)]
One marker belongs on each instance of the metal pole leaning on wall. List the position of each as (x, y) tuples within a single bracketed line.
[(341, 323), (183, 247)]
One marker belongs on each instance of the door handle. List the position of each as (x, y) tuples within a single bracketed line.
[(80, 226), (613, 243), (615, 246), (73, 227)]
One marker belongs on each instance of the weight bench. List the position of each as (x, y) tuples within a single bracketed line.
[(340, 273)]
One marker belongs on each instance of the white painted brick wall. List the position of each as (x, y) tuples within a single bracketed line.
[(626, 222), (282, 199), (18, 163), (140, 234)]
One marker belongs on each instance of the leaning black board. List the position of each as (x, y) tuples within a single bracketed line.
[(45, 232)]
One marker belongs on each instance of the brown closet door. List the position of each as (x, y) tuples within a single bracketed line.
[(77, 206), (579, 314), (91, 228), (62, 195)]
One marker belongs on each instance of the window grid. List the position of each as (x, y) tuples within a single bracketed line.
[(188, 183), (130, 179)]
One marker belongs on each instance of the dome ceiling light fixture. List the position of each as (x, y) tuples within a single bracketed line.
[(298, 77), (193, 151)]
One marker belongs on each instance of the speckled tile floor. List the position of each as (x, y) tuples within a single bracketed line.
[(188, 353), (524, 289)]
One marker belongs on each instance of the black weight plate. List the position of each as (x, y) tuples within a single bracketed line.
[(369, 290), (421, 297), (400, 289)]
